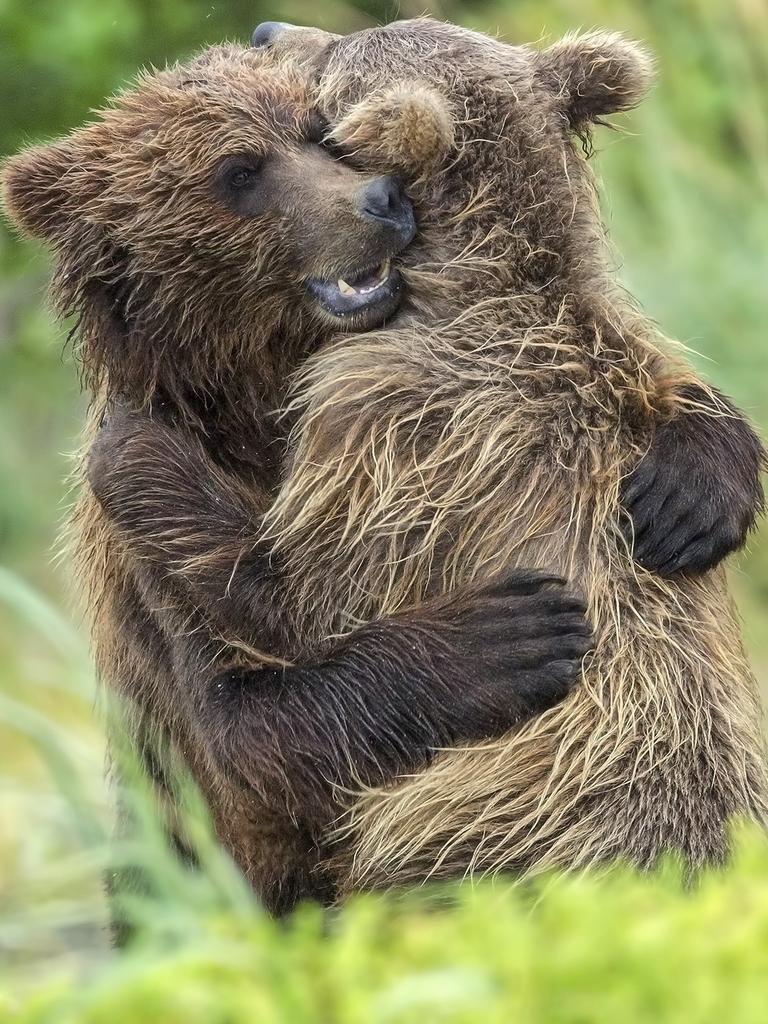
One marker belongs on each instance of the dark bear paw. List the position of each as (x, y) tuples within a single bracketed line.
[(694, 497), (522, 640)]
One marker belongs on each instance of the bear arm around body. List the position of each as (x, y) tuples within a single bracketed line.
[(662, 744), (209, 342), (375, 706), (696, 494)]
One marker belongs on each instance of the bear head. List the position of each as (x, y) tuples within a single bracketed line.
[(201, 228), (505, 198)]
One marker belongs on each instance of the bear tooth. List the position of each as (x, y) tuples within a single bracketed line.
[(344, 288), (383, 274)]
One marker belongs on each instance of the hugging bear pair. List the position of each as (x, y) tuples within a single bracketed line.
[(338, 468)]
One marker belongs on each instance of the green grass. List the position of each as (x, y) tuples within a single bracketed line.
[(582, 949), (576, 951)]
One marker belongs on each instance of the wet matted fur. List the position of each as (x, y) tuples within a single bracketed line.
[(193, 311), (499, 435)]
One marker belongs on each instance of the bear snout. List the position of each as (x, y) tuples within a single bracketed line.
[(384, 201)]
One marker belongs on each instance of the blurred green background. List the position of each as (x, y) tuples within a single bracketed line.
[(685, 199)]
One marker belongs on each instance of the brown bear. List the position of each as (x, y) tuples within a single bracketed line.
[(499, 433), (210, 245), (198, 225)]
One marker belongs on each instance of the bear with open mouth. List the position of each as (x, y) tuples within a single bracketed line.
[(208, 241), (299, 616)]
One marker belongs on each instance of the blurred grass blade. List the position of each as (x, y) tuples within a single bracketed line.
[(29, 605)]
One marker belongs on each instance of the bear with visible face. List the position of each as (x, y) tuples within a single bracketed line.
[(203, 208), (209, 243), (211, 246)]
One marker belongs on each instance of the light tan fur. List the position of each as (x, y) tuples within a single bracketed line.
[(441, 452)]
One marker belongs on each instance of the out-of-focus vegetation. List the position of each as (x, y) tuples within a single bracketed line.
[(686, 201), (594, 948)]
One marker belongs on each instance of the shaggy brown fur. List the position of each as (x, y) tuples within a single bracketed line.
[(424, 459), (499, 435), (190, 283)]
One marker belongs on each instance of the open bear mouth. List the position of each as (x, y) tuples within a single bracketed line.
[(371, 294)]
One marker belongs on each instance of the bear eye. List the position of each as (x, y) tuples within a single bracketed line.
[(241, 176), (240, 183)]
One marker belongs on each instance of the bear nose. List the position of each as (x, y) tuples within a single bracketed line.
[(267, 32), (384, 200)]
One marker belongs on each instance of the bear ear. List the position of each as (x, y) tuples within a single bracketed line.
[(408, 127), (597, 73), (34, 189)]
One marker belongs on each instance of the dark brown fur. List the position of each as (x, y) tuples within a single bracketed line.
[(188, 338)]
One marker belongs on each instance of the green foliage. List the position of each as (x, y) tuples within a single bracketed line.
[(589, 948), (571, 951)]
